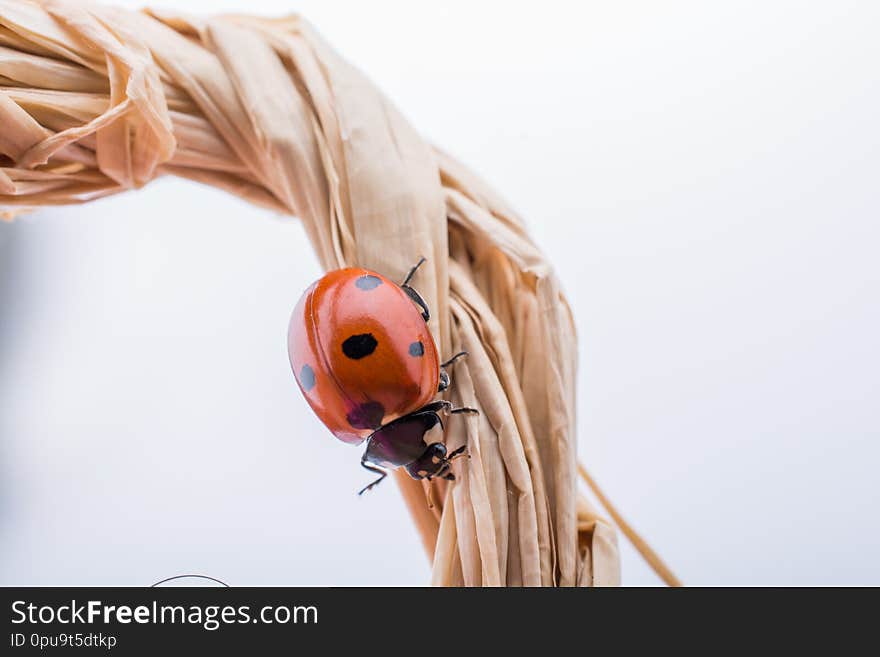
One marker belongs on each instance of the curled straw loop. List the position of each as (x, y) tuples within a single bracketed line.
[(96, 100)]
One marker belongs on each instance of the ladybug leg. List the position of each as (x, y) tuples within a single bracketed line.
[(461, 451), (442, 405), (417, 299), (464, 409), (412, 294), (412, 272), (460, 354), (382, 474), (444, 375), (444, 472)]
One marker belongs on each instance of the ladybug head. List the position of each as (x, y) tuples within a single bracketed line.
[(429, 463)]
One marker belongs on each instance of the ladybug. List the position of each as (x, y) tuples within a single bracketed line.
[(363, 356)]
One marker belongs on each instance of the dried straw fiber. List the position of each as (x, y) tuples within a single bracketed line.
[(95, 100)]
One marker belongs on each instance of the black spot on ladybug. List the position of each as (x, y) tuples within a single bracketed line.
[(368, 282), (417, 349), (359, 346), (366, 416), (307, 378)]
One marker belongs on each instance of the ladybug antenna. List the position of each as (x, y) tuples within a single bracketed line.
[(413, 271)]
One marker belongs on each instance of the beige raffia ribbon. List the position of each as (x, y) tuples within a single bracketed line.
[(95, 100)]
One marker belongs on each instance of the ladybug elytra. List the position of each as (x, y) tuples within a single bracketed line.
[(363, 356)]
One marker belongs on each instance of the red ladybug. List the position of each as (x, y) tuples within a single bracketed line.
[(366, 362)]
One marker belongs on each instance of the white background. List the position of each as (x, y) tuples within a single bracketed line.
[(703, 175)]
